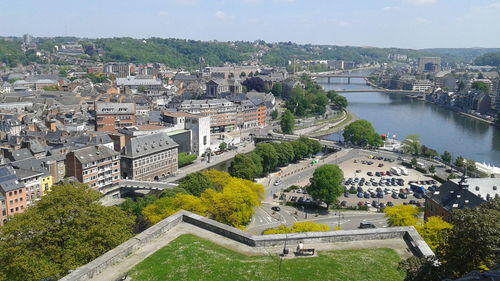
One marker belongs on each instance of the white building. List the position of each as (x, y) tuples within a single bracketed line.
[(197, 124), (422, 85)]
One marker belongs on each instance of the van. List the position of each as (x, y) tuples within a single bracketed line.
[(420, 164), (395, 171)]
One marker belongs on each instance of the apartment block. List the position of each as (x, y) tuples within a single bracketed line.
[(111, 116), (97, 166)]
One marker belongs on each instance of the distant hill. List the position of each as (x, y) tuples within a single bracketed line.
[(492, 59), (181, 53)]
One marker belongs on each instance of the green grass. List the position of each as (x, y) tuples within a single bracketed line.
[(191, 258)]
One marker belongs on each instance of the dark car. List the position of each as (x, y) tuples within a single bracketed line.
[(359, 189), (343, 203), (390, 204), (375, 204), (418, 195), (413, 202), (380, 195), (388, 173), (360, 194), (373, 195), (346, 194), (379, 189), (301, 200), (395, 196), (400, 183), (403, 196), (275, 208), (361, 203), (370, 174), (382, 205), (293, 199), (367, 195), (377, 174), (380, 165), (364, 224)]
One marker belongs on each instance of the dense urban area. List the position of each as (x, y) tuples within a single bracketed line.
[(104, 142)]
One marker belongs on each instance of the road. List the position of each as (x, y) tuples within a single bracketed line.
[(266, 218)]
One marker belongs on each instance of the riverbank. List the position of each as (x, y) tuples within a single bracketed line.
[(333, 128)]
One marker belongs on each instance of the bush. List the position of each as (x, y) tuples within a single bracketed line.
[(422, 170), (185, 159)]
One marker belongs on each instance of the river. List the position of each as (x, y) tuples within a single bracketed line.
[(438, 128)]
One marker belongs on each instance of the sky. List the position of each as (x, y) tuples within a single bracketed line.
[(380, 23)]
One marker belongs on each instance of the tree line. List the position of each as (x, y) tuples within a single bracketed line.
[(267, 157)]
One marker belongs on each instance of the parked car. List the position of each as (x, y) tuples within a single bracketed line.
[(418, 195), (390, 204), (370, 174), (366, 195), (382, 205), (343, 203), (413, 202), (380, 195), (301, 200), (361, 203), (403, 196), (380, 165), (395, 196), (360, 194), (346, 194), (366, 225), (293, 199), (275, 208)]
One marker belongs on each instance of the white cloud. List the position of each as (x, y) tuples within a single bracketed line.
[(220, 15), (495, 5), (420, 2), (390, 8)]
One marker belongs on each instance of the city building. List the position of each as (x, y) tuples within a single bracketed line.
[(217, 87), (221, 111), (12, 198), (149, 157), (118, 69), (462, 193), (140, 83), (198, 125), (429, 64), (225, 72), (111, 116), (32, 181), (422, 85), (97, 166)]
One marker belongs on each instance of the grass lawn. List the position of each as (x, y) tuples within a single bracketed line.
[(191, 258)]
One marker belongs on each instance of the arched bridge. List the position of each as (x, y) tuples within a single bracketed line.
[(338, 75), (125, 186)]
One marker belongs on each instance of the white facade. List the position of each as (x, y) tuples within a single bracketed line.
[(422, 85)]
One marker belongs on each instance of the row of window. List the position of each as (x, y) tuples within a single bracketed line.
[(153, 158), (155, 166)]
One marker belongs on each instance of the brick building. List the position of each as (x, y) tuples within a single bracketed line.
[(149, 157), (12, 194), (111, 116), (97, 166)]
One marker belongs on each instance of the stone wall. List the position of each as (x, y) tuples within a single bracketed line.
[(414, 241)]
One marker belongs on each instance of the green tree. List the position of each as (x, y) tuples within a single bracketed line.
[(480, 86), (361, 133), (460, 162), (340, 101), (474, 240), (269, 156), (243, 167), (172, 192), (51, 88), (432, 169), (326, 184), (243, 74), (300, 150), (141, 89), (412, 145), (257, 160), (471, 165), (446, 157), (287, 122), (195, 183), (184, 159), (222, 146), (432, 231), (413, 162), (274, 114), (67, 228), (277, 89)]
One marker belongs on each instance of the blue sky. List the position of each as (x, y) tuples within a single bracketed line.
[(381, 23)]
